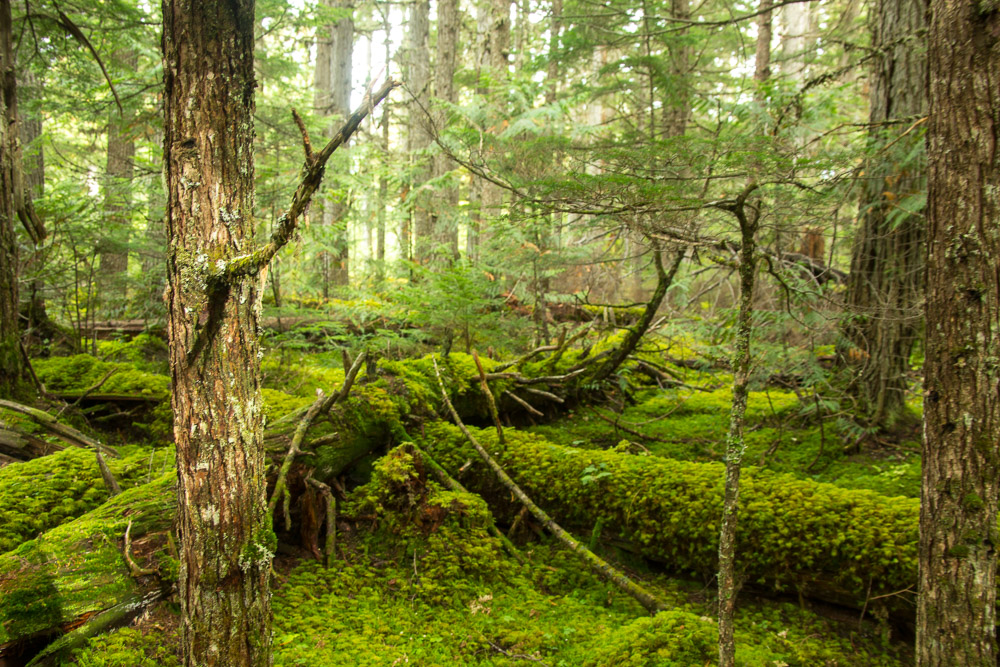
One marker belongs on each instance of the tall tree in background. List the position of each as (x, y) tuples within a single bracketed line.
[(956, 613), (112, 284), (11, 367), (444, 227), (334, 57), (886, 281), (418, 138), (222, 521)]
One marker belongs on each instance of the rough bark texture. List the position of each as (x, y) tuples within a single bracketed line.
[(111, 279), (11, 364), (886, 281), (735, 445), (334, 52), (226, 541), (961, 466)]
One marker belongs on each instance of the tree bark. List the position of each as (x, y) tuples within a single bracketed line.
[(444, 225), (956, 614), (735, 444), (886, 282), (11, 362), (226, 540), (334, 54)]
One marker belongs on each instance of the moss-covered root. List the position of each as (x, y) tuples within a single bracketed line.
[(77, 570), (828, 543)]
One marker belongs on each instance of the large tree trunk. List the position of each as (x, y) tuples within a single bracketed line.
[(961, 476), (11, 365), (111, 279), (226, 540), (886, 281), (334, 53)]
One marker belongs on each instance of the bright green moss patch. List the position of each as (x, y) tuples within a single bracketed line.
[(38, 495), (793, 533), (80, 372), (692, 425), (78, 568), (127, 647)]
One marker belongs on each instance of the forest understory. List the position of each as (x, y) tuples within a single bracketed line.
[(417, 570)]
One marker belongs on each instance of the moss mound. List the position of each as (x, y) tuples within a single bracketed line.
[(41, 494), (794, 535)]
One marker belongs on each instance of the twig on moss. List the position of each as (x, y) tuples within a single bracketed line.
[(490, 401), (456, 486), (127, 551), (595, 562), (524, 404)]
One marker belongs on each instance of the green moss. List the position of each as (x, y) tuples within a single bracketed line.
[(791, 531), (128, 647), (38, 495), (77, 568)]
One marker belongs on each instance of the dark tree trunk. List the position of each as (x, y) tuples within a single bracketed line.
[(956, 614), (334, 54), (11, 366), (886, 281), (226, 539), (112, 283)]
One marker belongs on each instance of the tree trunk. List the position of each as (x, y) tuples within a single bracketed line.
[(11, 365), (112, 284), (334, 53), (418, 138), (886, 282), (956, 614), (226, 540), (735, 444), (444, 223)]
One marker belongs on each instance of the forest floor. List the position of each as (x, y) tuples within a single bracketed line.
[(424, 582)]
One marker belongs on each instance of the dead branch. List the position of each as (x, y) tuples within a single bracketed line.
[(524, 404), (127, 551), (67, 434)]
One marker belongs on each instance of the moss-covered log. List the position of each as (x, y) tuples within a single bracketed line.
[(853, 548), (77, 570), (38, 495)]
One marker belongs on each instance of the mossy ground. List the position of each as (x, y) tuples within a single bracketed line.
[(41, 494), (781, 435), (420, 581)]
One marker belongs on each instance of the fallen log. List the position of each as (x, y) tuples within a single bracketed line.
[(847, 547)]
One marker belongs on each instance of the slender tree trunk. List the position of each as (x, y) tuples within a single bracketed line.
[(112, 284), (956, 611), (762, 58), (445, 226), (334, 54), (886, 280), (226, 539), (493, 31), (418, 138), (34, 186), (735, 445)]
